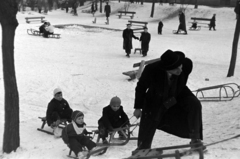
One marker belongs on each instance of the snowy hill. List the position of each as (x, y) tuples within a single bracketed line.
[(87, 64)]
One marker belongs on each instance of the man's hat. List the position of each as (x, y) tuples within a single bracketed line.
[(171, 59)]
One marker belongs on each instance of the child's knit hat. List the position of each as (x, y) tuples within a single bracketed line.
[(57, 90), (115, 100), (76, 114)]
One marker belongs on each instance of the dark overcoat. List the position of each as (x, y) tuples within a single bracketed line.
[(107, 10), (182, 22), (127, 38), (145, 39), (113, 119), (213, 22), (62, 108), (152, 92)]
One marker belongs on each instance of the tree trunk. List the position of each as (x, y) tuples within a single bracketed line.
[(234, 49), (196, 4), (100, 6), (153, 7), (11, 137)]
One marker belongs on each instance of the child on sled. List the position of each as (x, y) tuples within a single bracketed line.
[(113, 116), (75, 136)]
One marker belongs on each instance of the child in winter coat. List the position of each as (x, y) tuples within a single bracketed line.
[(75, 135), (113, 116)]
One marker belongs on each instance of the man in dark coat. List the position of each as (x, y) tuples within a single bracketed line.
[(127, 39), (160, 26), (107, 10), (145, 39), (164, 102), (182, 23), (58, 108), (113, 116), (212, 22)]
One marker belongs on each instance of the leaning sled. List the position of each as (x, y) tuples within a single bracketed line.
[(37, 33)]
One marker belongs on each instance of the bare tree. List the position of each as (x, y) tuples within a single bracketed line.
[(153, 7), (235, 42), (9, 23)]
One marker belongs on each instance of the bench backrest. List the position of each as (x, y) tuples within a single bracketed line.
[(130, 21), (34, 17), (126, 12), (195, 18)]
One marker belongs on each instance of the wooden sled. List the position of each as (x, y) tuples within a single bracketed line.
[(44, 121), (37, 33), (97, 152), (167, 152), (195, 29), (226, 92), (180, 32), (135, 73)]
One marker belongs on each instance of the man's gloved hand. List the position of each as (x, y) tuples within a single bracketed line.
[(137, 113)]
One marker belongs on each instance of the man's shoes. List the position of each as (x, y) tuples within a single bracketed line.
[(127, 55), (197, 144), (82, 155), (144, 55), (105, 142)]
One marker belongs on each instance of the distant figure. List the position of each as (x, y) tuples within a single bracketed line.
[(66, 5), (127, 39), (42, 28), (107, 10), (145, 39), (93, 10), (194, 25), (160, 26), (182, 23), (212, 22), (49, 29)]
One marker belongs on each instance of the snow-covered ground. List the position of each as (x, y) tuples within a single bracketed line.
[(87, 64)]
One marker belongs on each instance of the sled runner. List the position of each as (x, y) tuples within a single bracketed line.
[(96, 152), (37, 33), (116, 141), (44, 121), (226, 92), (166, 152), (195, 29), (180, 32)]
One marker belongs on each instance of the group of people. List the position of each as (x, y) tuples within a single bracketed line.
[(74, 134), (163, 101), (46, 29), (128, 34)]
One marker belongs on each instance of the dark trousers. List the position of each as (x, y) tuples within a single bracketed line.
[(104, 131), (77, 143), (67, 114), (128, 51), (191, 127)]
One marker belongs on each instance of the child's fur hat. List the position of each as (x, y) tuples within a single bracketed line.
[(76, 114), (115, 100)]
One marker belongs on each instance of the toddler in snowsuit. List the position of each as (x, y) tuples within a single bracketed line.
[(113, 116), (75, 135)]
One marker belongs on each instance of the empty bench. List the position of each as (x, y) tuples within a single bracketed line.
[(201, 21), (30, 19), (138, 25), (126, 13)]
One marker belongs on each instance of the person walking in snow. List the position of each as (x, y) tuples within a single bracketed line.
[(160, 26), (127, 39), (107, 10), (58, 109), (145, 39), (182, 23), (164, 101), (75, 136), (213, 23), (113, 116)]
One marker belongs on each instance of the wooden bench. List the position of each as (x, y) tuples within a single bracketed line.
[(137, 73), (125, 13), (138, 25), (200, 21), (29, 19)]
